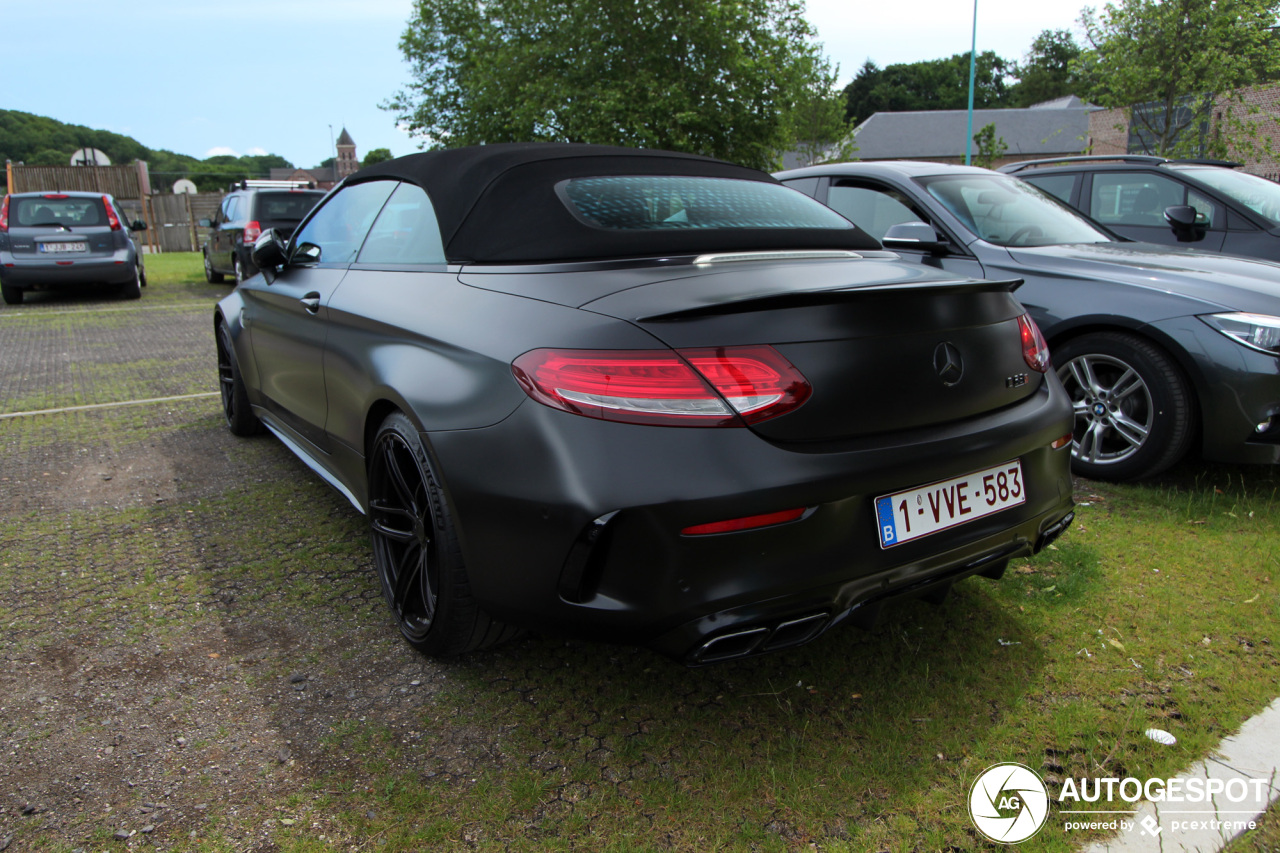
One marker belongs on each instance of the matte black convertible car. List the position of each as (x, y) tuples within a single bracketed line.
[(642, 396)]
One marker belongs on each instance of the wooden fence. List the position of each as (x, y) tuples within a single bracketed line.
[(123, 182), (171, 219)]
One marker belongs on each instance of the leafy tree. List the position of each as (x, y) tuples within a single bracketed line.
[(934, 84), (990, 147), (377, 155), (712, 77), (1169, 62), (1047, 72)]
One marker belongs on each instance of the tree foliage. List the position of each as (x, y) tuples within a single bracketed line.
[(41, 141), (1169, 62), (1048, 70), (990, 147), (706, 76), (376, 155), (934, 84)]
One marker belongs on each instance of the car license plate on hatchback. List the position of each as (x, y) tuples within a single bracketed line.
[(64, 246), (918, 512)]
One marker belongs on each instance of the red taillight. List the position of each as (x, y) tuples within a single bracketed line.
[(702, 387), (112, 219), (749, 522), (4, 214), (1034, 349), (252, 232)]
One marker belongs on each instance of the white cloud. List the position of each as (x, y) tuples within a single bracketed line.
[(220, 151), (256, 151)]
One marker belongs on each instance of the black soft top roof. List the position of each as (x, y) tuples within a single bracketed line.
[(498, 204)]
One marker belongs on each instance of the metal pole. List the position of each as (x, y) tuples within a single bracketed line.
[(973, 68)]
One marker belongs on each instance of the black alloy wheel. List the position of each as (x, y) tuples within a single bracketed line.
[(415, 548), (1132, 406), (235, 399), (209, 275)]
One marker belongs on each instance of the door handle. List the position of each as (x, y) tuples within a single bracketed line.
[(311, 302)]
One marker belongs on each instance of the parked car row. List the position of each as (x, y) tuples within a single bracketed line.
[(663, 399)]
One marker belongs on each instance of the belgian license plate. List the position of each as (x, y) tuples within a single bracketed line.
[(64, 246), (918, 512)]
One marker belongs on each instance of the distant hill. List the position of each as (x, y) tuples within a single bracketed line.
[(42, 141)]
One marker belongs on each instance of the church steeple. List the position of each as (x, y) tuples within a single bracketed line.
[(347, 162)]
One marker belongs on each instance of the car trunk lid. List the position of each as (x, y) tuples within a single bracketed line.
[(885, 347)]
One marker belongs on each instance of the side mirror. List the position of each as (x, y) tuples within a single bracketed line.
[(138, 225), (268, 252), (205, 223), (1188, 225), (913, 237)]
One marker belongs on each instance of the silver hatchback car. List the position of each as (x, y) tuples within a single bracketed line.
[(53, 239)]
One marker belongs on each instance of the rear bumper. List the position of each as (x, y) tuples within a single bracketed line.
[(573, 525), (26, 273)]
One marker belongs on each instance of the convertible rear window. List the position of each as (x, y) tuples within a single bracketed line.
[(664, 202)]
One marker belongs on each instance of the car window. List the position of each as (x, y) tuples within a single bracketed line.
[(1257, 194), (1136, 198), (285, 206), (336, 231), (1010, 212), (53, 211), (229, 209), (874, 210), (406, 231), (1055, 185), (668, 202)]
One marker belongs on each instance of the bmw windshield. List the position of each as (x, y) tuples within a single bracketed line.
[(1258, 194), (1009, 212)]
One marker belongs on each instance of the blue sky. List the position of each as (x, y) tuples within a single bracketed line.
[(273, 76)]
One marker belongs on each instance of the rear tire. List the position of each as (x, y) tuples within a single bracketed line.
[(209, 275), (416, 550), (235, 399), (11, 295), (1133, 408), (133, 289)]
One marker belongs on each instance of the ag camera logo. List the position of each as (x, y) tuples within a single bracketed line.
[(1008, 803)]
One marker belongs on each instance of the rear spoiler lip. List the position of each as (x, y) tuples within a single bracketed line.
[(793, 298)]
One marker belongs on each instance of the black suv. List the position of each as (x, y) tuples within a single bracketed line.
[(1207, 204), (250, 208)]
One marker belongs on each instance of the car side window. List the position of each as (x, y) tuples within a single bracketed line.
[(1139, 198), (334, 234), (872, 209), (406, 231), (229, 209), (1055, 185)]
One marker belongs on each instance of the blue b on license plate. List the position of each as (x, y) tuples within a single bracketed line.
[(908, 515)]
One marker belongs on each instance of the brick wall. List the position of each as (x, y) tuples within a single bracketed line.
[(1109, 129)]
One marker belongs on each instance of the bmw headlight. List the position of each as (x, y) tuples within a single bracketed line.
[(1256, 331)]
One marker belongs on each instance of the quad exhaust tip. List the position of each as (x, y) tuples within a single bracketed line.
[(738, 644)]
